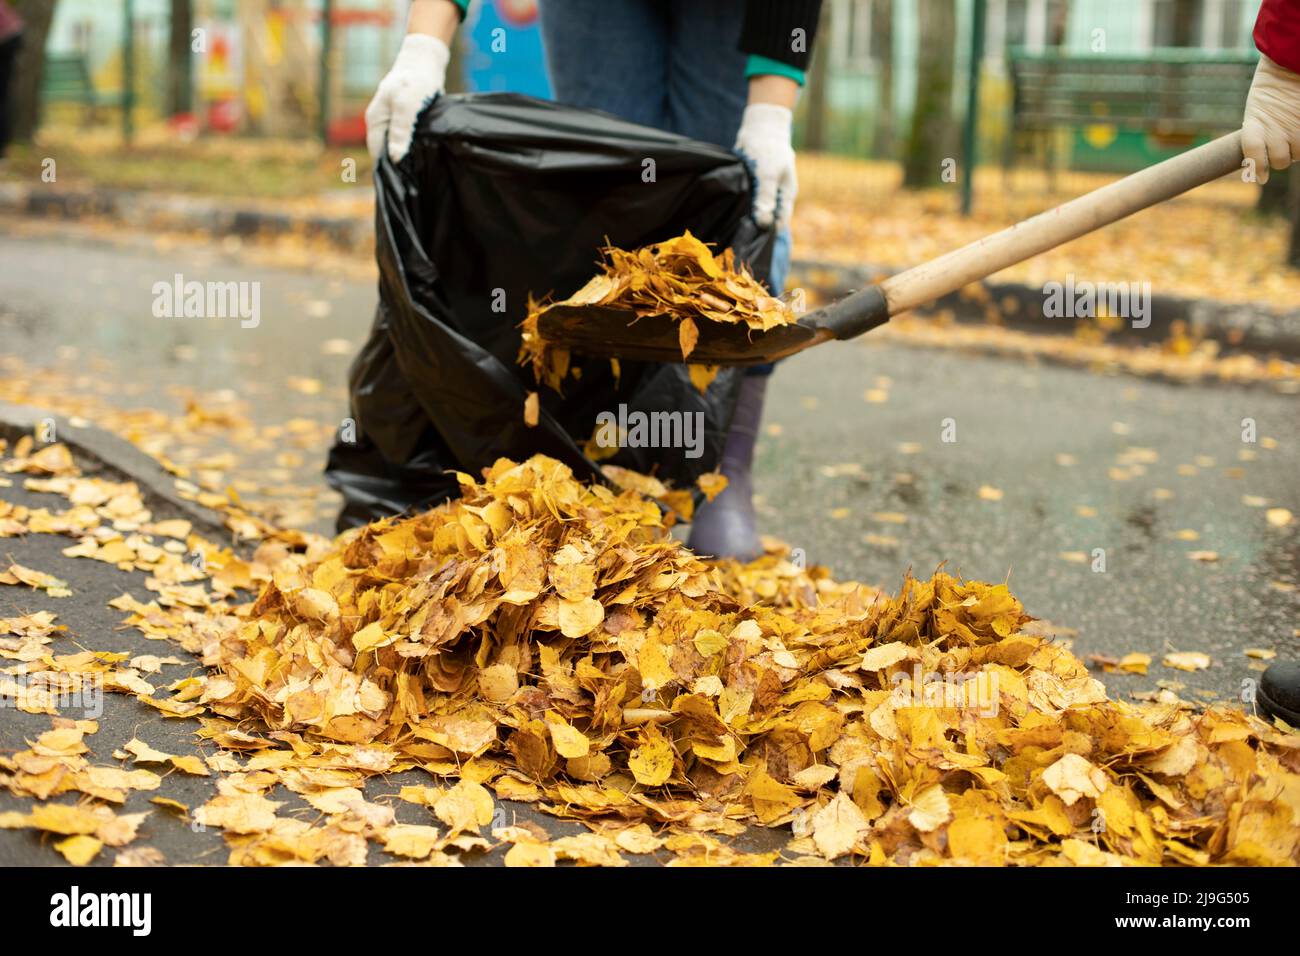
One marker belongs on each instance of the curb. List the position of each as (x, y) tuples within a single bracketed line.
[(178, 212), (102, 454), (1015, 305)]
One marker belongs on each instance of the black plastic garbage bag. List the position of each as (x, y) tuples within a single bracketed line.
[(501, 196)]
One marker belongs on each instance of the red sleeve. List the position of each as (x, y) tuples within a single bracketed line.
[(1277, 32)]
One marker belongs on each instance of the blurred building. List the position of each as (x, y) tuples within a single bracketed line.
[(257, 65)]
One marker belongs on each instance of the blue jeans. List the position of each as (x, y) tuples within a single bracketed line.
[(671, 64)]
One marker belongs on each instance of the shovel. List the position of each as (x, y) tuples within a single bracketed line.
[(620, 333)]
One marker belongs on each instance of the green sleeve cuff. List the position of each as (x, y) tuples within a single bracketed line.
[(766, 66), (464, 7)]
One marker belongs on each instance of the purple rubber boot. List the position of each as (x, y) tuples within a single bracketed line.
[(726, 526)]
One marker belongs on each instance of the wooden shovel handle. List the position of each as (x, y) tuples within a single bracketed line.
[(1047, 230)]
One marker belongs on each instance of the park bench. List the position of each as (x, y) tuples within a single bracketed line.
[(66, 79), (1176, 95)]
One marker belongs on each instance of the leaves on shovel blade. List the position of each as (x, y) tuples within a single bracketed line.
[(678, 280)]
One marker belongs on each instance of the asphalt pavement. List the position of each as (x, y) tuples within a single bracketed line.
[(1128, 512)]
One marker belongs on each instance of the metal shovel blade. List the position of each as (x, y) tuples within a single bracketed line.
[(603, 331)]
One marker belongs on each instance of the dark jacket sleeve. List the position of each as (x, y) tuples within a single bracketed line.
[(1277, 32), (781, 30)]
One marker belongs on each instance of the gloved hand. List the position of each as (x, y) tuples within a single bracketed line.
[(1270, 132), (417, 77), (764, 138)]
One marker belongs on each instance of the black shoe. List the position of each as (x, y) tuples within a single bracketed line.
[(1279, 692)]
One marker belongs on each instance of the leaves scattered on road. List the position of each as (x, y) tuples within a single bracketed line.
[(543, 641)]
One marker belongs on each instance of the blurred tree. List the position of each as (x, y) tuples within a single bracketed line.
[(456, 66), (814, 117), (30, 67), (932, 131), (1280, 196), (1273, 194), (1293, 250), (882, 51), (180, 75), (1058, 22), (1186, 22)]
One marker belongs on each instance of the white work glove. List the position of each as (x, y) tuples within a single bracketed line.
[(417, 77), (1270, 132), (764, 138)]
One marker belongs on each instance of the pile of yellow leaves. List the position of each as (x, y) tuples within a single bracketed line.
[(550, 641), (679, 279)]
